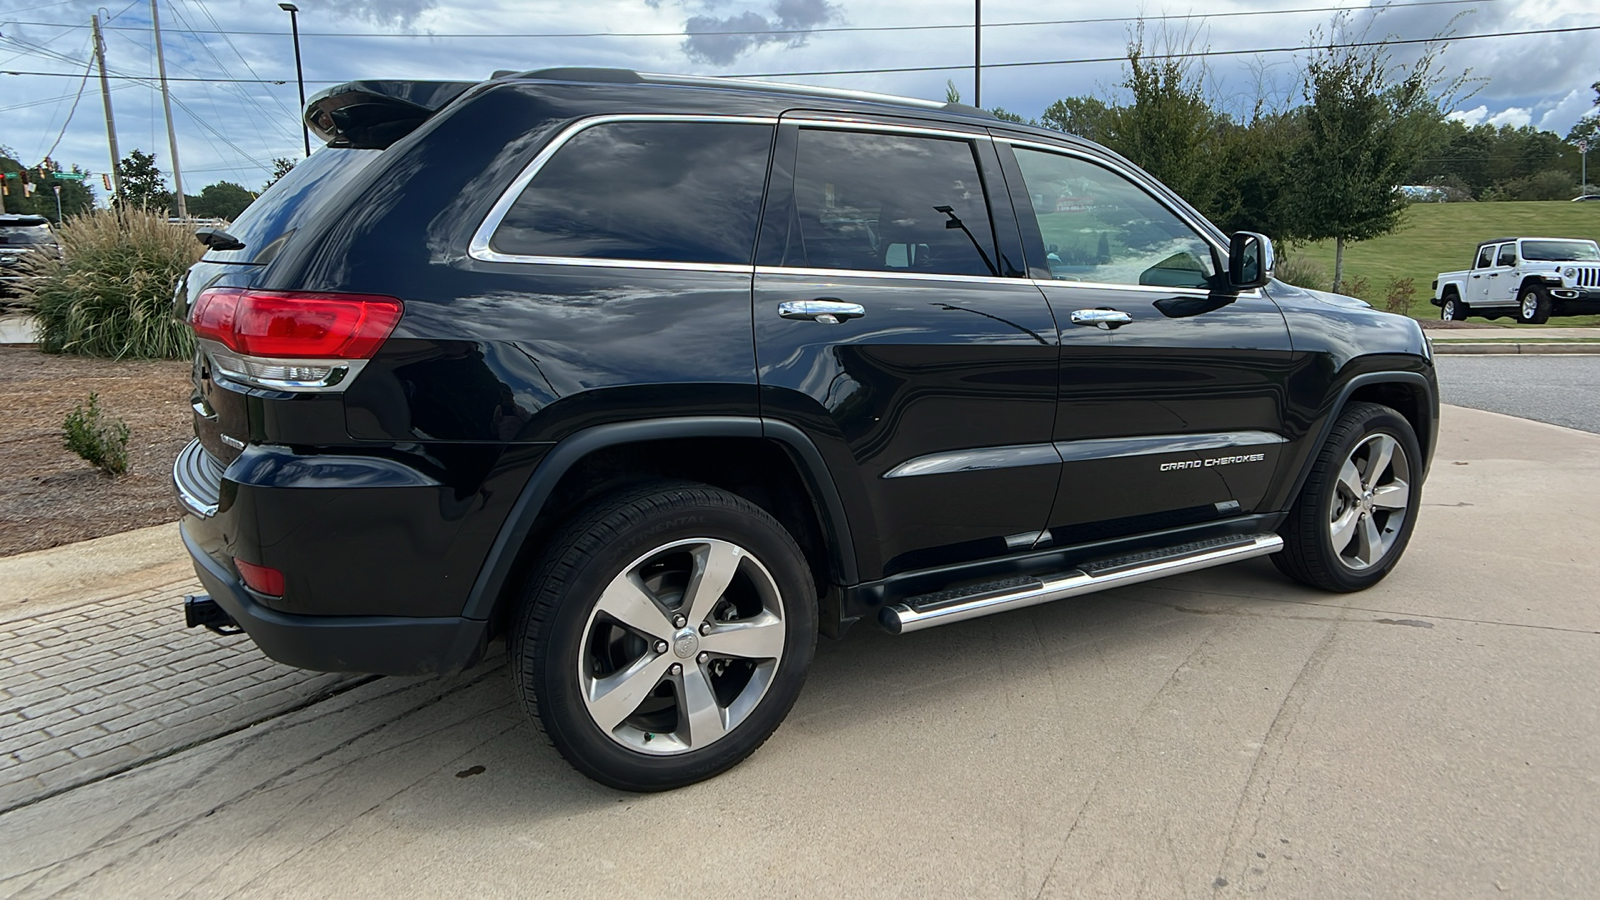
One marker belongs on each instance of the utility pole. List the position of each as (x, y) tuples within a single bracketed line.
[(166, 103), (105, 96), (978, 53)]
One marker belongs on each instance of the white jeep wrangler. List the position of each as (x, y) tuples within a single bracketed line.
[(1528, 278)]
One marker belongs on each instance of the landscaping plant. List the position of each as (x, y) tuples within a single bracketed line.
[(98, 438), (111, 293)]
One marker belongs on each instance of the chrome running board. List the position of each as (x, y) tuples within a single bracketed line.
[(944, 607)]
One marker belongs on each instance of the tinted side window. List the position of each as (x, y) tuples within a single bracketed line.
[(889, 202), (1485, 257), (666, 191), (1100, 227), (1508, 255)]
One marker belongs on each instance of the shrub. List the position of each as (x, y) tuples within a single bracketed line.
[(101, 440), (1356, 286), (1400, 294), (1301, 273), (111, 293)]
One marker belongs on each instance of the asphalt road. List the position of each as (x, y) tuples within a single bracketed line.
[(1560, 390)]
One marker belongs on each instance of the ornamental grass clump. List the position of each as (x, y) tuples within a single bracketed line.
[(98, 438), (110, 295)]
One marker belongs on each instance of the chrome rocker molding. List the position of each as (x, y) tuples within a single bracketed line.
[(904, 617)]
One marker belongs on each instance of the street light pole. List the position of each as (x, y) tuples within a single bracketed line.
[(977, 53), (299, 73)]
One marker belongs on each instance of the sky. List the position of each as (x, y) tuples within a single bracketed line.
[(232, 131)]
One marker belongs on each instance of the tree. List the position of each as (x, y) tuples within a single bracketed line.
[(1169, 128), (32, 191), (280, 167), (223, 200), (1086, 117), (1364, 132), (142, 183)]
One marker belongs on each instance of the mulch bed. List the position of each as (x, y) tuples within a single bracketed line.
[(48, 496)]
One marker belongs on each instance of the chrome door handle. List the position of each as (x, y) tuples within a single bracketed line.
[(1101, 318), (826, 310)]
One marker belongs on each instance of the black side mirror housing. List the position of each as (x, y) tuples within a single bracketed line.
[(1250, 260)]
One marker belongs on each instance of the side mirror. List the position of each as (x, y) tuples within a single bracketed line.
[(1250, 260)]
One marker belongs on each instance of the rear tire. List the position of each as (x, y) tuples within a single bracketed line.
[(1452, 310), (1354, 516), (665, 636)]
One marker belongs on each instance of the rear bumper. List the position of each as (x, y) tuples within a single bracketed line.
[(385, 645)]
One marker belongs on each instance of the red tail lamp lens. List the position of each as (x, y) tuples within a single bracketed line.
[(261, 579), (296, 324)]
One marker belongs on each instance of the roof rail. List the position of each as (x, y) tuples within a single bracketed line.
[(628, 76)]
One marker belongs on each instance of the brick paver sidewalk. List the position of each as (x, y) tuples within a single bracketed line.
[(96, 689)]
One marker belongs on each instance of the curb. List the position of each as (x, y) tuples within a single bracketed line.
[(1464, 348)]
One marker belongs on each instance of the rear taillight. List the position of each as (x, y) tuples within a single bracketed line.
[(292, 340)]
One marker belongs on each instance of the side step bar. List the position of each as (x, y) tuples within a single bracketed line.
[(960, 604)]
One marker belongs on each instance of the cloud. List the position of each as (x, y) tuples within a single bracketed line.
[(1515, 116), (1469, 117), (1560, 118), (384, 13), (720, 40)]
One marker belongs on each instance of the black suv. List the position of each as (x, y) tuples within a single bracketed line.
[(657, 377), (22, 237)]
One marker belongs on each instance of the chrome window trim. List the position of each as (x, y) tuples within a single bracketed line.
[(479, 247), (882, 273), (1158, 444), (1251, 294)]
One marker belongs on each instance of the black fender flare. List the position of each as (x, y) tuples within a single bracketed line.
[(497, 566), (1429, 410)]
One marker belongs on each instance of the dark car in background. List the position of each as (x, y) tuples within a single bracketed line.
[(656, 378), (21, 238)]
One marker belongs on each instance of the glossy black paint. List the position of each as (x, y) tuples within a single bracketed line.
[(414, 492)]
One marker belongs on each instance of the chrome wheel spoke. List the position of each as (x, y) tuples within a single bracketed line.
[(1369, 542), (627, 601), (1350, 479), (705, 717), (1379, 457), (758, 638), (1394, 495), (1344, 529), (615, 697), (715, 563)]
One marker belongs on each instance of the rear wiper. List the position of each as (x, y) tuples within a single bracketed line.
[(217, 239)]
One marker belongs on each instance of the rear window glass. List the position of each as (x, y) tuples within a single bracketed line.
[(291, 200), (888, 202), (1560, 251), (1485, 257), (26, 234), (664, 191), (1508, 255)]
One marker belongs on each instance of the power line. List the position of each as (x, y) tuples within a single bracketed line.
[(998, 65), (1186, 55), (965, 26), (81, 84)]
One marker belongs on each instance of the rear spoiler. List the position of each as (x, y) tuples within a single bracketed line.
[(371, 115)]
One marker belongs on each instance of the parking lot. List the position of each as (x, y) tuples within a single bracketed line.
[(1223, 732)]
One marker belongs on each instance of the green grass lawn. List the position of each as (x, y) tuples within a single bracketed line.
[(1441, 237)]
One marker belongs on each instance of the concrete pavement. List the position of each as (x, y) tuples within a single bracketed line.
[(1217, 734)]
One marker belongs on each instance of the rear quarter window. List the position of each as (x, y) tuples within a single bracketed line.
[(274, 216), (687, 192)]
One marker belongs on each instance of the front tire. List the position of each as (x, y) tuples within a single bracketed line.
[(665, 636), (1354, 516), (1452, 310), (1533, 306)]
